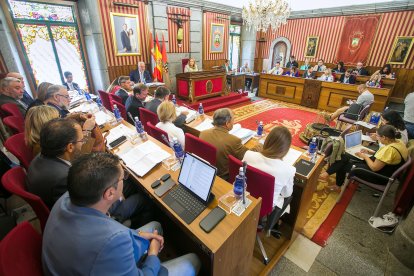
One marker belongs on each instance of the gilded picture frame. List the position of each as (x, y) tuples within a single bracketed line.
[(401, 49), (311, 46), (216, 38), (125, 34)]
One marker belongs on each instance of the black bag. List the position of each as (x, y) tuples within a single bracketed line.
[(353, 111)]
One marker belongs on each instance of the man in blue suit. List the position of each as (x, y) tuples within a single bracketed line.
[(126, 42), (81, 239), (140, 75)]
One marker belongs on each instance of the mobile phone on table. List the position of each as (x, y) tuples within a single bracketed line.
[(212, 219)]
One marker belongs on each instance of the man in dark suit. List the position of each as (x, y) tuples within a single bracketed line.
[(309, 74), (292, 62), (126, 42), (58, 97), (140, 75), (160, 95), (136, 101), (70, 85), (122, 92), (27, 98), (347, 77), (360, 70), (12, 92)]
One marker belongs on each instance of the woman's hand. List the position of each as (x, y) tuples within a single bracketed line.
[(360, 154)]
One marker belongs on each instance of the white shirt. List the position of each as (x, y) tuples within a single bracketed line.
[(173, 131), (326, 78), (409, 108), (283, 173), (365, 98), (276, 71)]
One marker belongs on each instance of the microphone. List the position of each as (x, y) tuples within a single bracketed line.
[(244, 187), (130, 116)]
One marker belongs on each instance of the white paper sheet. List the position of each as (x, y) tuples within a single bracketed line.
[(102, 117), (292, 156), (367, 138), (192, 114), (243, 133), (364, 124), (206, 124), (117, 132)]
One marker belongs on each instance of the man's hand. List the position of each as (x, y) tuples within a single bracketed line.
[(89, 123), (184, 112), (154, 248), (151, 236)]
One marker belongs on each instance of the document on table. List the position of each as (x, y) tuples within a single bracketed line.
[(192, 114), (117, 132), (292, 156), (101, 117), (367, 138), (243, 133), (366, 125), (206, 124), (142, 158)]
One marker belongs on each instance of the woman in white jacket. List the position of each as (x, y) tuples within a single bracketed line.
[(167, 115)]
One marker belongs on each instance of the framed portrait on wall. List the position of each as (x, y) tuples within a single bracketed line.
[(216, 38), (401, 49), (125, 34), (311, 46)]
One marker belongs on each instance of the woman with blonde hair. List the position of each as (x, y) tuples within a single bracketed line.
[(41, 94), (167, 115), (375, 80), (327, 76), (191, 66), (36, 118)]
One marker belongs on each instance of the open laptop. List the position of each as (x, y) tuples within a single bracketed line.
[(353, 143), (191, 196)]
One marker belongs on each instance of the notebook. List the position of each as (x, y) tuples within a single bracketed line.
[(191, 196), (353, 143)]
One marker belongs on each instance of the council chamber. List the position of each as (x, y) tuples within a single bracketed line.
[(172, 137)]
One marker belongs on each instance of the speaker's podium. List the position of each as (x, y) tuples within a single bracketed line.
[(194, 86)]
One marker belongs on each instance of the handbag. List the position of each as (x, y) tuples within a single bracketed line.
[(353, 111)]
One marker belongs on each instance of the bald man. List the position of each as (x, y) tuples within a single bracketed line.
[(27, 98), (140, 75)]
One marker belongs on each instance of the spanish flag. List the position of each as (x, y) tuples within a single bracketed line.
[(157, 56)]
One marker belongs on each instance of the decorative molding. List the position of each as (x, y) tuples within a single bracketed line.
[(272, 46)]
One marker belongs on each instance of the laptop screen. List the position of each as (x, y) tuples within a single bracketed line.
[(197, 176), (353, 139)]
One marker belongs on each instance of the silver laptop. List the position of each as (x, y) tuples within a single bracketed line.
[(353, 143)]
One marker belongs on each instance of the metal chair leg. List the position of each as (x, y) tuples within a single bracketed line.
[(383, 197), (265, 258), (343, 188)]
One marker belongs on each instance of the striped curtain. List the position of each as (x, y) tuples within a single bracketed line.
[(107, 6), (329, 30), (210, 18), (175, 13)]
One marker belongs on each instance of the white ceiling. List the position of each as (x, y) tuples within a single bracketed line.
[(300, 5)]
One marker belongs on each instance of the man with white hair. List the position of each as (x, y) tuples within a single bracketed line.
[(27, 99), (12, 92), (140, 75), (58, 97), (360, 70)]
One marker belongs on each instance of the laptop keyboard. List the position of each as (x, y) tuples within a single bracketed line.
[(187, 200)]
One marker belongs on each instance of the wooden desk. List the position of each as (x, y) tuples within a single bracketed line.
[(237, 81), (228, 248), (194, 86), (254, 77)]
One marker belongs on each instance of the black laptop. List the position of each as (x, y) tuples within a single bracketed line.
[(192, 194)]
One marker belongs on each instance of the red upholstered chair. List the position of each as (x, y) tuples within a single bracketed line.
[(115, 98), (121, 108), (259, 184), (157, 133), (21, 252), (201, 148), (184, 62), (14, 181), (14, 123), (148, 116), (106, 100), (16, 145), (10, 109)]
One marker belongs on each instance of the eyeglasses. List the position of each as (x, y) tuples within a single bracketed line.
[(83, 141), (64, 96), (126, 176)]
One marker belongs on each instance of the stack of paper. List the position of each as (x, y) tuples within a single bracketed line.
[(101, 117), (204, 125), (117, 132), (243, 133), (366, 125), (192, 114), (142, 158), (149, 84)]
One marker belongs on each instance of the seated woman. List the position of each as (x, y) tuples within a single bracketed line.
[(339, 68), (306, 66), (167, 115), (385, 72), (269, 160), (375, 81), (191, 66), (393, 118), (293, 72), (327, 76), (384, 162), (309, 74), (41, 94)]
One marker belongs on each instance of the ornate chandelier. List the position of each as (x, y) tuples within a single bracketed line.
[(260, 14)]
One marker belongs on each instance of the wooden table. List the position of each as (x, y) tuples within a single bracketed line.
[(254, 78), (228, 248), (236, 80)]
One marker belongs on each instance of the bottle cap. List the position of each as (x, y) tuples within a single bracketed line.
[(136, 118), (175, 139), (261, 122), (114, 105)]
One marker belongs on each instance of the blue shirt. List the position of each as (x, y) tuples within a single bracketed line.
[(83, 241)]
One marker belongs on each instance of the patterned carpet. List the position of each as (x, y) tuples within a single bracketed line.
[(295, 118)]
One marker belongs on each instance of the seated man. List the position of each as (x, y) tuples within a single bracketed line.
[(141, 75), (160, 95), (58, 97), (245, 69), (409, 114), (81, 239), (277, 70), (309, 73), (365, 97), (136, 101), (226, 66), (320, 67), (70, 85), (12, 92), (292, 62), (126, 86), (347, 77), (27, 98), (226, 143), (360, 70)]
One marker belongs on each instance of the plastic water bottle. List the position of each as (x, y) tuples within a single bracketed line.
[(178, 149), (88, 97), (117, 114), (313, 147), (200, 109), (238, 184), (99, 103), (174, 100), (393, 75), (260, 129), (140, 129), (377, 118)]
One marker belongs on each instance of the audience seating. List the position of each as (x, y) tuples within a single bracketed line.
[(17, 146), (10, 109), (157, 133), (360, 116), (122, 109), (14, 123), (201, 148), (106, 100), (14, 181), (148, 116), (259, 184), (21, 251), (115, 98), (397, 175)]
